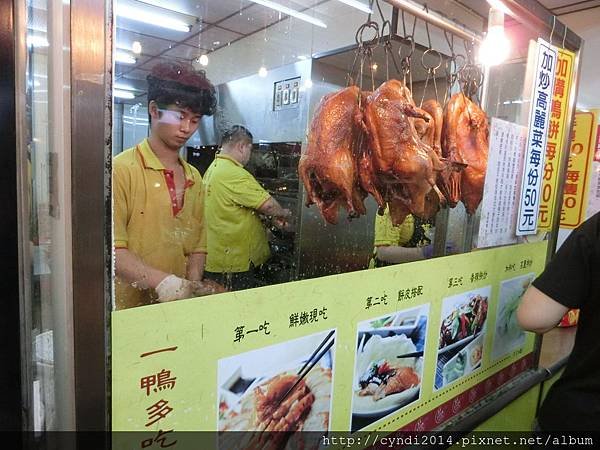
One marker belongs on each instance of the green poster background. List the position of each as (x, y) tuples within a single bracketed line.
[(165, 357)]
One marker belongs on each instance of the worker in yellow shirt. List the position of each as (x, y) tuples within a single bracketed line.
[(237, 239), (158, 210), (409, 241)]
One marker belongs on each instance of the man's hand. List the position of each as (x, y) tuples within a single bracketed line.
[(207, 287), (174, 288)]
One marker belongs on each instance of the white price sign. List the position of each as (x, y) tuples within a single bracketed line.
[(539, 118)]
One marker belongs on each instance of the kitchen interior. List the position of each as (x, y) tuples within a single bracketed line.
[(271, 70), (275, 101)]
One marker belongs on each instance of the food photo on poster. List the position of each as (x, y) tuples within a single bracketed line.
[(462, 332), (508, 334), (389, 364), (285, 387)]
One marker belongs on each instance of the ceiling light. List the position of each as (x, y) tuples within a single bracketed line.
[(124, 58), (216, 42), (374, 66), (123, 94), (499, 4), (495, 48), (290, 12), (203, 60), (37, 41), (136, 47), (263, 72), (358, 5), (124, 87), (153, 15)]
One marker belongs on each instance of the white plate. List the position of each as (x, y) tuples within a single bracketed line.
[(367, 407), (458, 344)]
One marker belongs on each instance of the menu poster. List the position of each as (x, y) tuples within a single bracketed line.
[(539, 118), (577, 178), (594, 200), (405, 347), (557, 130), (502, 183)]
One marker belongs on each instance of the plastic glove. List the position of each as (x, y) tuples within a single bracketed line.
[(206, 287), (427, 251), (174, 288), (451, 249)]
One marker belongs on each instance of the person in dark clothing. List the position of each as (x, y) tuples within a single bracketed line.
[(571, 280)]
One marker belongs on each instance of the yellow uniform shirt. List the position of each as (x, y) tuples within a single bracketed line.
[(410, 233), (147, 220), (388, 234), (236, 237)]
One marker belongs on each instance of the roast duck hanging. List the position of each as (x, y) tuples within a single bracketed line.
[(411, 159)]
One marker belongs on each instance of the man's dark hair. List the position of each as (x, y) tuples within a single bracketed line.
[(236, 134), (181, 85)]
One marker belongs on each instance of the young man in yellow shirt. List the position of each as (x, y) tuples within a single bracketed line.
[(159, 231), (237, 239)]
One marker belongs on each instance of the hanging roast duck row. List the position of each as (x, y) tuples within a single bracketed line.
[(412, 159)]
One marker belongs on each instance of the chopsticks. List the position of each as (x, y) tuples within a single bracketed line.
[(325, 345), (315, 352), (411, 355), (316, 356)]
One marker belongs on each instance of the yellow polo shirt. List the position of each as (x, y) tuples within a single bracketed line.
[(236, 237), (147, 221), (387, 234)]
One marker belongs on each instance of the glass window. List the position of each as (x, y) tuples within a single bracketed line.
[(45, 213), (221, 139)]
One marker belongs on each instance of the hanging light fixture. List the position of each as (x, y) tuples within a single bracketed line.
[(495, 48)]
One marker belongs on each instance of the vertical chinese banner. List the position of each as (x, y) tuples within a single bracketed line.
[(556, 132), (539, 118), (575, 192), (594, 201)]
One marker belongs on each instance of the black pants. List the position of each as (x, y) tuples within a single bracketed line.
[(237, 281)]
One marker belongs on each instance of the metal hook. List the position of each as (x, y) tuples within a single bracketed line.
[(360, 41), (553, 25), (433, 67)]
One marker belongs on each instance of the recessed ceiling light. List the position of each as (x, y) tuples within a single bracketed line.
[(290, 12), (124, 87), (123, 94), (263, 72), (203, 60), (124, 58), (136, 47), (153, 15), (216, 42)]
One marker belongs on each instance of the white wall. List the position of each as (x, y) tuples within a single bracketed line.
[(587, 25)]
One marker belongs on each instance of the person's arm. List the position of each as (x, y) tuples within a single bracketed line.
[(195, 266), (271, 207), (131, 269), (395, 254), (538, 312)]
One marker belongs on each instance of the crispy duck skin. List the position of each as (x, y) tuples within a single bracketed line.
[(404, 166), (434, 136), (267, 402), (403, 379), (329, 168), (465, 137)]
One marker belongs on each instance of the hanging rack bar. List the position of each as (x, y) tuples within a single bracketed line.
[(434, 19)]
